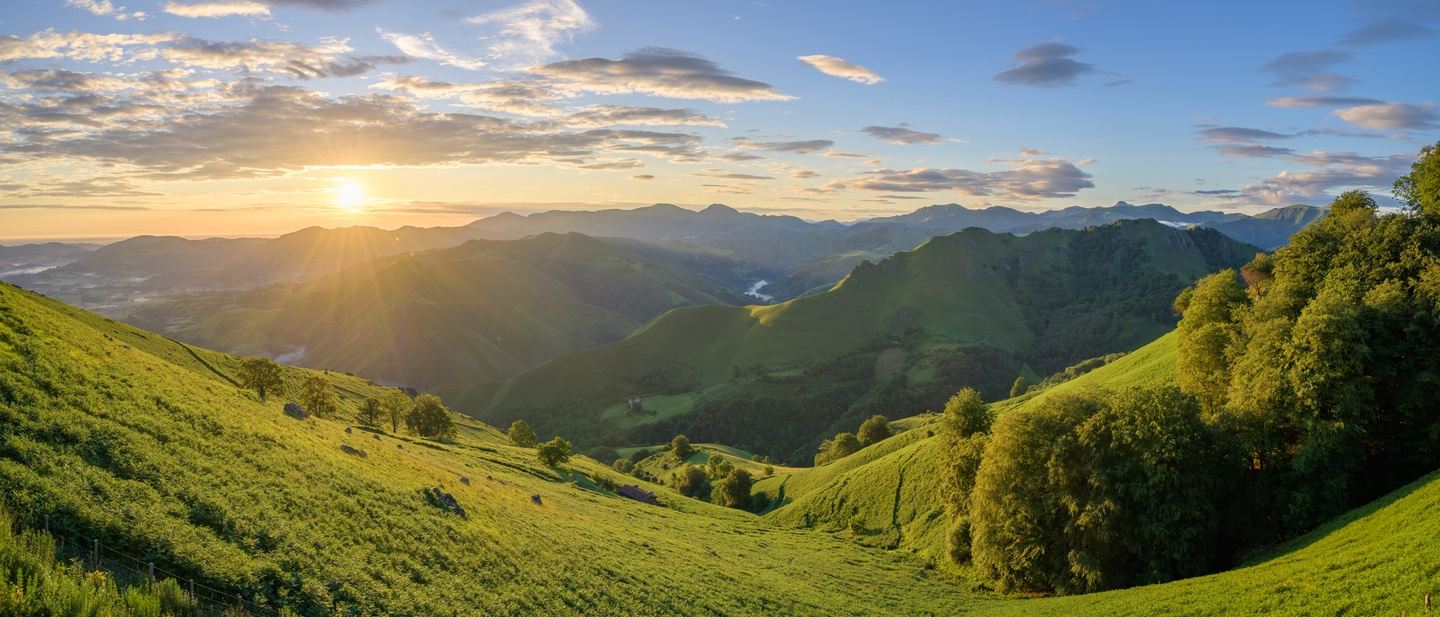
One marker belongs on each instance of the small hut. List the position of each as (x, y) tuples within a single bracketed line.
[(638, 494)]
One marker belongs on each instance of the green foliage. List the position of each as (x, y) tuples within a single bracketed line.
[(370, 412), (690, 481), (429, 418), (554, 452), (1097, 490), (965, 414), (317, 396), (394, 404), (521, 435), (733, 490), (1420, 189), (1019, 387), (872, 430), (836, 448), (261, 375), (623, 465), (1207, 336), (680, 448)]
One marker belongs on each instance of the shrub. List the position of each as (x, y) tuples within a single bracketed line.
[(873, 430), (733, 491), (680, 447), (841, 446), (690, 481)]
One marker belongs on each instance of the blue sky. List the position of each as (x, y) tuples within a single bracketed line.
[(277, 113)]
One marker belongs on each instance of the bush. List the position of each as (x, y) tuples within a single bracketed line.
[(690, 481), (623, 465), (873, 430), (554, 452), (733, 491), (841, 446), (521, 435), (680, 447)]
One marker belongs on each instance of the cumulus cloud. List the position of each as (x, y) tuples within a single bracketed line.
[(662, 72), (1309, 69), (79, 46), (1388, 30), (839, 67), (423, 45), (1047, 65), (528, 33), (1400, 116), (223, 8), (803, 146), (106, 8), (1300, 102), (275, 130), (1332, 170), (1026, 180), (902, 135)]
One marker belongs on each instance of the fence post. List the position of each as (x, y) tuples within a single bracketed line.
[(95, 553)]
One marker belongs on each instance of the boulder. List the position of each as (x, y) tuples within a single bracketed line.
[(294, 410)]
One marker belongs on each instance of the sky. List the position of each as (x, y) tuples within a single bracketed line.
[(258, 117)]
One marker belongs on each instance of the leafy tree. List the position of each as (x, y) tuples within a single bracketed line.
[(429, 418), (318, 397), (964, 432), (717, 467), (370, 412), (965, 414), (1209, 334), (521, 435), (680, 447), (261, 375), (1098, 490), (623, 465), (690, 480), (1420, 189), (733, 491), (394, 404), (873, 430), (1019, 387), (841, 446), (554, 452)]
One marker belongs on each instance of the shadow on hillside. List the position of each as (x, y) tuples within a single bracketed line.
[(1338, 523)]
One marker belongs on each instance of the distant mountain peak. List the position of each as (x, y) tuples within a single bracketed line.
[(719, 210)]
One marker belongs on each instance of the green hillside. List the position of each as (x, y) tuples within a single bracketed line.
[(972, 308), (480, 311), (145, 443)]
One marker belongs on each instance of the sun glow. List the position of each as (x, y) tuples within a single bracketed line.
[(349, 196)]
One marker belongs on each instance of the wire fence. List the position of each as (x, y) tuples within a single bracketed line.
[(98, 556)]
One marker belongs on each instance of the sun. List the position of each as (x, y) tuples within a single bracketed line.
[(349, 196)]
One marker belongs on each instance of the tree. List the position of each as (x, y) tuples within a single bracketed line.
[(370, 412), (1209, 336), (429, 418), (261, 375), (317, 396), (733, 491), (873, 430), (690, 481), (554, 452), (841, 446), (521, 435), (680, 447), (1420, 189), (394, 404), (1019, 387), (623, 465), (965, 414)]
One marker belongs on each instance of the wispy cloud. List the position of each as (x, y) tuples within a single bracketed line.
[(223, 8), (423, 45), (902, 135), (1310, 69), (1028, 179), (662, 72), (1396, 116), (528, 33), (839, 67)]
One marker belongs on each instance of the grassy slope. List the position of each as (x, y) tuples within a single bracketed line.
[(480, 311), (127, 436)]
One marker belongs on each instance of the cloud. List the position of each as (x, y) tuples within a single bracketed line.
[(615, 115), (293, 59), (659, 72), (1334, 170), (805, 146), (1253, 151), (1399, 116), (528, 33), (720, 173), (1389, 30), (839, 67), (1047, 65), (67, 207), (901, 135), (105, 8), (1309, 69), (79, 46), (275, 130), (1299, 102), (643, 177), (424, 46), (324, 5), (803, 174), (1241, 134), (1026, 180), (223, 8)]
